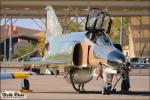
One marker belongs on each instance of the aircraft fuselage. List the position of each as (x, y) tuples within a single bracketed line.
[(76, 49)]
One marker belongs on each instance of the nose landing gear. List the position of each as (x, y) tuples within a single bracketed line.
[(107, 89), (125, 85)]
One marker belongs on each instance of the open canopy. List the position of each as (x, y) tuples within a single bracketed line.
[(98, 20)]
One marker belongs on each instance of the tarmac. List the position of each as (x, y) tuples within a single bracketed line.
[(51, 87)]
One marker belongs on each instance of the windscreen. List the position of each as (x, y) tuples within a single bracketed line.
[(103, 40)]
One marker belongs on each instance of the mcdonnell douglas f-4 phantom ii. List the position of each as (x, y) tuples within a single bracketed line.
[(83, 52)]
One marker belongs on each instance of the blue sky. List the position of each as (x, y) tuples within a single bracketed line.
[(27, 23)]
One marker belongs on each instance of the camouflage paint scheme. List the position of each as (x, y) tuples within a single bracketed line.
[(61, 48)]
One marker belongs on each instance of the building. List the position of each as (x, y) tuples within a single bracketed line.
[(139, 37), (20, 37)]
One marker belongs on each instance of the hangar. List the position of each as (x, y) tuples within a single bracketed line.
[(136, 10), (36, 8)]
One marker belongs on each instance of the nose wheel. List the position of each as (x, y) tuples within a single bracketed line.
[(125, 84), (107, 89)]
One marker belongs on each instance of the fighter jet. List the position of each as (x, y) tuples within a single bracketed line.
[(84, 53)]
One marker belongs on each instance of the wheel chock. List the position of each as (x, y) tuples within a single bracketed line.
[(26, 91)]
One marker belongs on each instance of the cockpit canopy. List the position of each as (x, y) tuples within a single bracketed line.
[(98, 20), (97, 24)]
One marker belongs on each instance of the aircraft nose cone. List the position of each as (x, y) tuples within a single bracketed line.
[(116, 59)]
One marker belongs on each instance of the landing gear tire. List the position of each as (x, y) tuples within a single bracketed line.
[(113, 91), (106, 89), (125, 86)]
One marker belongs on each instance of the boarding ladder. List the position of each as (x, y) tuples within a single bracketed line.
[(30, 52)]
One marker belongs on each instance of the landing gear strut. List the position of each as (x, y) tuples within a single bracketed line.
[(125, 85)]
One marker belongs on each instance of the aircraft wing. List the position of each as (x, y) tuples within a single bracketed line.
[(16, 75), (45, 62)]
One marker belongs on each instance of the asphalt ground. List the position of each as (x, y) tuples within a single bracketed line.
[(51, 87)]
